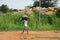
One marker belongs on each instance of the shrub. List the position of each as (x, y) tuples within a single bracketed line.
[(58, 12)]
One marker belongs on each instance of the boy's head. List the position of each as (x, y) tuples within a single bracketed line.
[(25, 16)]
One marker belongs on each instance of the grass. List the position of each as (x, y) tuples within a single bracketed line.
[(13, 22)]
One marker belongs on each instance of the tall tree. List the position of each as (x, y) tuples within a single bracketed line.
[(36, 3), (4, 8), (45, 3)]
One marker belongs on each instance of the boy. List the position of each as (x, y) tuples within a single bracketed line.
[(25, 19)]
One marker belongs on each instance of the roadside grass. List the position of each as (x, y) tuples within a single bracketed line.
[(13, 22)]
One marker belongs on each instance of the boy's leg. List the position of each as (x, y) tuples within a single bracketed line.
[(22, 31), (27, 31)]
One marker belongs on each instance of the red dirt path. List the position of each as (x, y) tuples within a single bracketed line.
[(33, 35)]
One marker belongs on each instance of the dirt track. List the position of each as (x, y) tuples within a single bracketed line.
[(33, 35)]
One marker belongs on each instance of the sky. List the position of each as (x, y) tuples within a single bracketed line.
[(58, 3), (18, 4)]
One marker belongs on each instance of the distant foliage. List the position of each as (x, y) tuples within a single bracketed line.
[(58, 12), (36, 3), (15, 10), (45, 3), (4, 8)]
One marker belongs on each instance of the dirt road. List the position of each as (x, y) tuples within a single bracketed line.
[(33, 35)]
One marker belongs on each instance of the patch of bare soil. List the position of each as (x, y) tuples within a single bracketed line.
[(32, 35)]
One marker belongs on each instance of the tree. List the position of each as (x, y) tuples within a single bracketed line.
[(36, 3), (4, 8), (45, 3), (15, 10)]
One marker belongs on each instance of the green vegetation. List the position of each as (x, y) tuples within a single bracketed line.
[(4, 8), (45, 3), (11, 21), (58, 12)]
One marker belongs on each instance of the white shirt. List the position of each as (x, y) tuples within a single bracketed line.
[(25, 23)]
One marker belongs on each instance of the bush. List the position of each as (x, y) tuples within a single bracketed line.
[(10, 22), (14, 22), (50, 20), (58, 12)]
